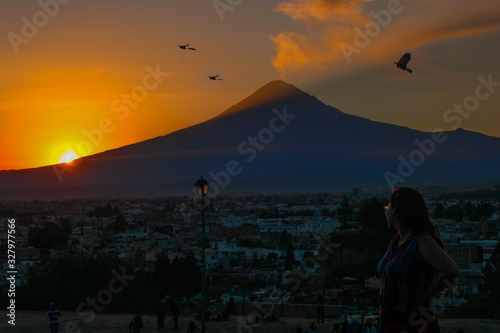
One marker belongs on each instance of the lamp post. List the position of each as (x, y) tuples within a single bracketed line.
[(202, 188)]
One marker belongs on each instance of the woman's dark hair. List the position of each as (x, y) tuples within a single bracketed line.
[(411, 211)]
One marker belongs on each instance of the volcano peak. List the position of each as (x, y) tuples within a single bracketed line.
[(272, 91)]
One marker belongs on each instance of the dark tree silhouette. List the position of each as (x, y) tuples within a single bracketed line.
[(492, 274), (344, 212), (49, 236), (439, 211), (272, 256), (289, 257), (372, 215), (106, 211), (120, 224), (283, 238), (181, 278)]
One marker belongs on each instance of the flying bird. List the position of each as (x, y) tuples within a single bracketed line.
[(403, 62), (216, 77), (185, 47)]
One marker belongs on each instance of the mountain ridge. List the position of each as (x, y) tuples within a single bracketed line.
[(282, 139)]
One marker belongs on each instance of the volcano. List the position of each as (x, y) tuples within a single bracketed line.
[(280, 139)]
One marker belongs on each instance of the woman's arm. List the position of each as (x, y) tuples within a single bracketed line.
[(438, 259)]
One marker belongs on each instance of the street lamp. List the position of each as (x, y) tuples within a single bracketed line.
[(202, 188)]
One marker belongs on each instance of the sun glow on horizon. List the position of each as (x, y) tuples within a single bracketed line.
[(68, 156)]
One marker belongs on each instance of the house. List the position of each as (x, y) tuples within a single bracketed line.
[(468, 257), (373, 282)]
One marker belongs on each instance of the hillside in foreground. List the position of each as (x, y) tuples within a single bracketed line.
[(29, 322)]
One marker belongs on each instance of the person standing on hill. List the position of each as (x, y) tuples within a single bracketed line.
[(192, 328), (175, 309), (231, 307), (53, 315), (369, 328), (162, 310), (414, 268), (320, 307), (135, 324)]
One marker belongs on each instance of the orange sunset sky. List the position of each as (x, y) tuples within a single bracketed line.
[(69, 67)]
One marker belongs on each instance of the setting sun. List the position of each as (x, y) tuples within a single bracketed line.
[(68, 156)]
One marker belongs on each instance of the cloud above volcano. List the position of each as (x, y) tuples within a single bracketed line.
[(335, 32)]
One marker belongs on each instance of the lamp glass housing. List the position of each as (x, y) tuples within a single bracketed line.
[(202, 187)]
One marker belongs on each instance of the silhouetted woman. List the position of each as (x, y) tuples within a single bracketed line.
[(414, 268)]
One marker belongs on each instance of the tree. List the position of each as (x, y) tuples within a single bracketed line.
[(361, 269), (455, 212), (186, 281), (356, 191), (272, 256), (289, 257), (283, 238), (120, 224), (106, 211), (48, 237), (480, 306), (181, 278), (344, 212), (245, 242), (71, 279), (439, 211), (486, 304), (372, 216), (484, 209), (492, 274), (308, 254), (234, 262), (163, 271)]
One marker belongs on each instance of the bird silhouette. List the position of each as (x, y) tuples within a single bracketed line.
[(403, 62), (216, 77), (185, 47)]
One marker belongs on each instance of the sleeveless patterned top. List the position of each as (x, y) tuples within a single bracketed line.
[(405, 275)]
